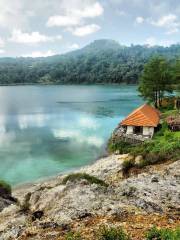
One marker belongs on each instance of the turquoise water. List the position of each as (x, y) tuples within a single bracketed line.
[(46, 130)]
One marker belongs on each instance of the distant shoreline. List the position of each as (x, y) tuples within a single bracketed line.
[(69, 84)]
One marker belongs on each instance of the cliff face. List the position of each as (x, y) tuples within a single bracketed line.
[(51, 208)]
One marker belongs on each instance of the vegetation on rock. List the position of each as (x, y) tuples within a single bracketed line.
[(80, 176), (163, 234), (73, 236), (106, 232), (112, 233), (127, 165), (5, 188)]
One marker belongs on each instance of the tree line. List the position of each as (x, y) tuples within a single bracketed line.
[(101, 62)]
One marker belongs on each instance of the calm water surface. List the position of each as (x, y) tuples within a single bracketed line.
[(46, 130)]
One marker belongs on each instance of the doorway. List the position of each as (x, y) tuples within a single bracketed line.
[(138, 130)]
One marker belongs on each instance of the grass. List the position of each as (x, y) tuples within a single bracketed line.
[(5, 188), (163, 234), (112, 233), (117, 233), (164, 146), (78, 176), (73, 236), (122, 147), (126, 166)]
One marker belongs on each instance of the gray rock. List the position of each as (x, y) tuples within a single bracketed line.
[(62, 204)]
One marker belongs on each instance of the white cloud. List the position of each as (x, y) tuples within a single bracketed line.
[(121, 13), (31, 38), (165, 20), (74, 16), (27, 120), (2, 43), (78, 136), (169, 22), (172, 30), (2, 51), (87, 122), (152, 41), (58, 37), (85, 30), (63, 21), (139, 20), (10, 13), (37, 54), (74, 46), (90, 11)]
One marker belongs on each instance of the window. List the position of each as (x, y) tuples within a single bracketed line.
[(138, 130)]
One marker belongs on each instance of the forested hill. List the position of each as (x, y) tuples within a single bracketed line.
[(103, 61)]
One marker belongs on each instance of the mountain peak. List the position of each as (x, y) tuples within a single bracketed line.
[(103, 44)]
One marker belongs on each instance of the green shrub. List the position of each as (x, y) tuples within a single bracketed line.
[(153, 158), (5, 188), (112, 233), (120, 145), (78, 176), (163, 128), (168, 135), (163, 234), (73, 236), (126, 166)]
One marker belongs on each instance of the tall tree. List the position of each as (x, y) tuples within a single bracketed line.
[(155, 80), (177, 75)]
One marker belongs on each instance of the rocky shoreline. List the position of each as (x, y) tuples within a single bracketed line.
[(49, 209)]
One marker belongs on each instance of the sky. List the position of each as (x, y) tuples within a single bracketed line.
[(40, 28)]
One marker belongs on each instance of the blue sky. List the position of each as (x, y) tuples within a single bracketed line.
[(47, 27)]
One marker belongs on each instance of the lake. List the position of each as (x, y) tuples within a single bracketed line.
[(48, 130)]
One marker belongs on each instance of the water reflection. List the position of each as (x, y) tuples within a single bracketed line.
[(48, 130)]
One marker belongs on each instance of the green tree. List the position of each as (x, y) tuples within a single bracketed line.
[(156, 79), (177, 75)]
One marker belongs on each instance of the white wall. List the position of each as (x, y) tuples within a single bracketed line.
[(148, 131), (129, 130)]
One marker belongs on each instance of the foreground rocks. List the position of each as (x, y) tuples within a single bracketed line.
[(49, 209)]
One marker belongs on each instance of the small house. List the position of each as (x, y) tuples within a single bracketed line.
[(141, 123)]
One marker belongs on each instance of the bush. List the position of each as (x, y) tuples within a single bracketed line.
[(5, 188), (126, 166), (153, 158), (78, 176), (112, 233), (163, 128), (73, 236), (163, 234), (120, 145)]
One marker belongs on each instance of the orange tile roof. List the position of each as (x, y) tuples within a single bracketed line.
[(145, 115)]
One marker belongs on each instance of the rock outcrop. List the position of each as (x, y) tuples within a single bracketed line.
[(56, 206)]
